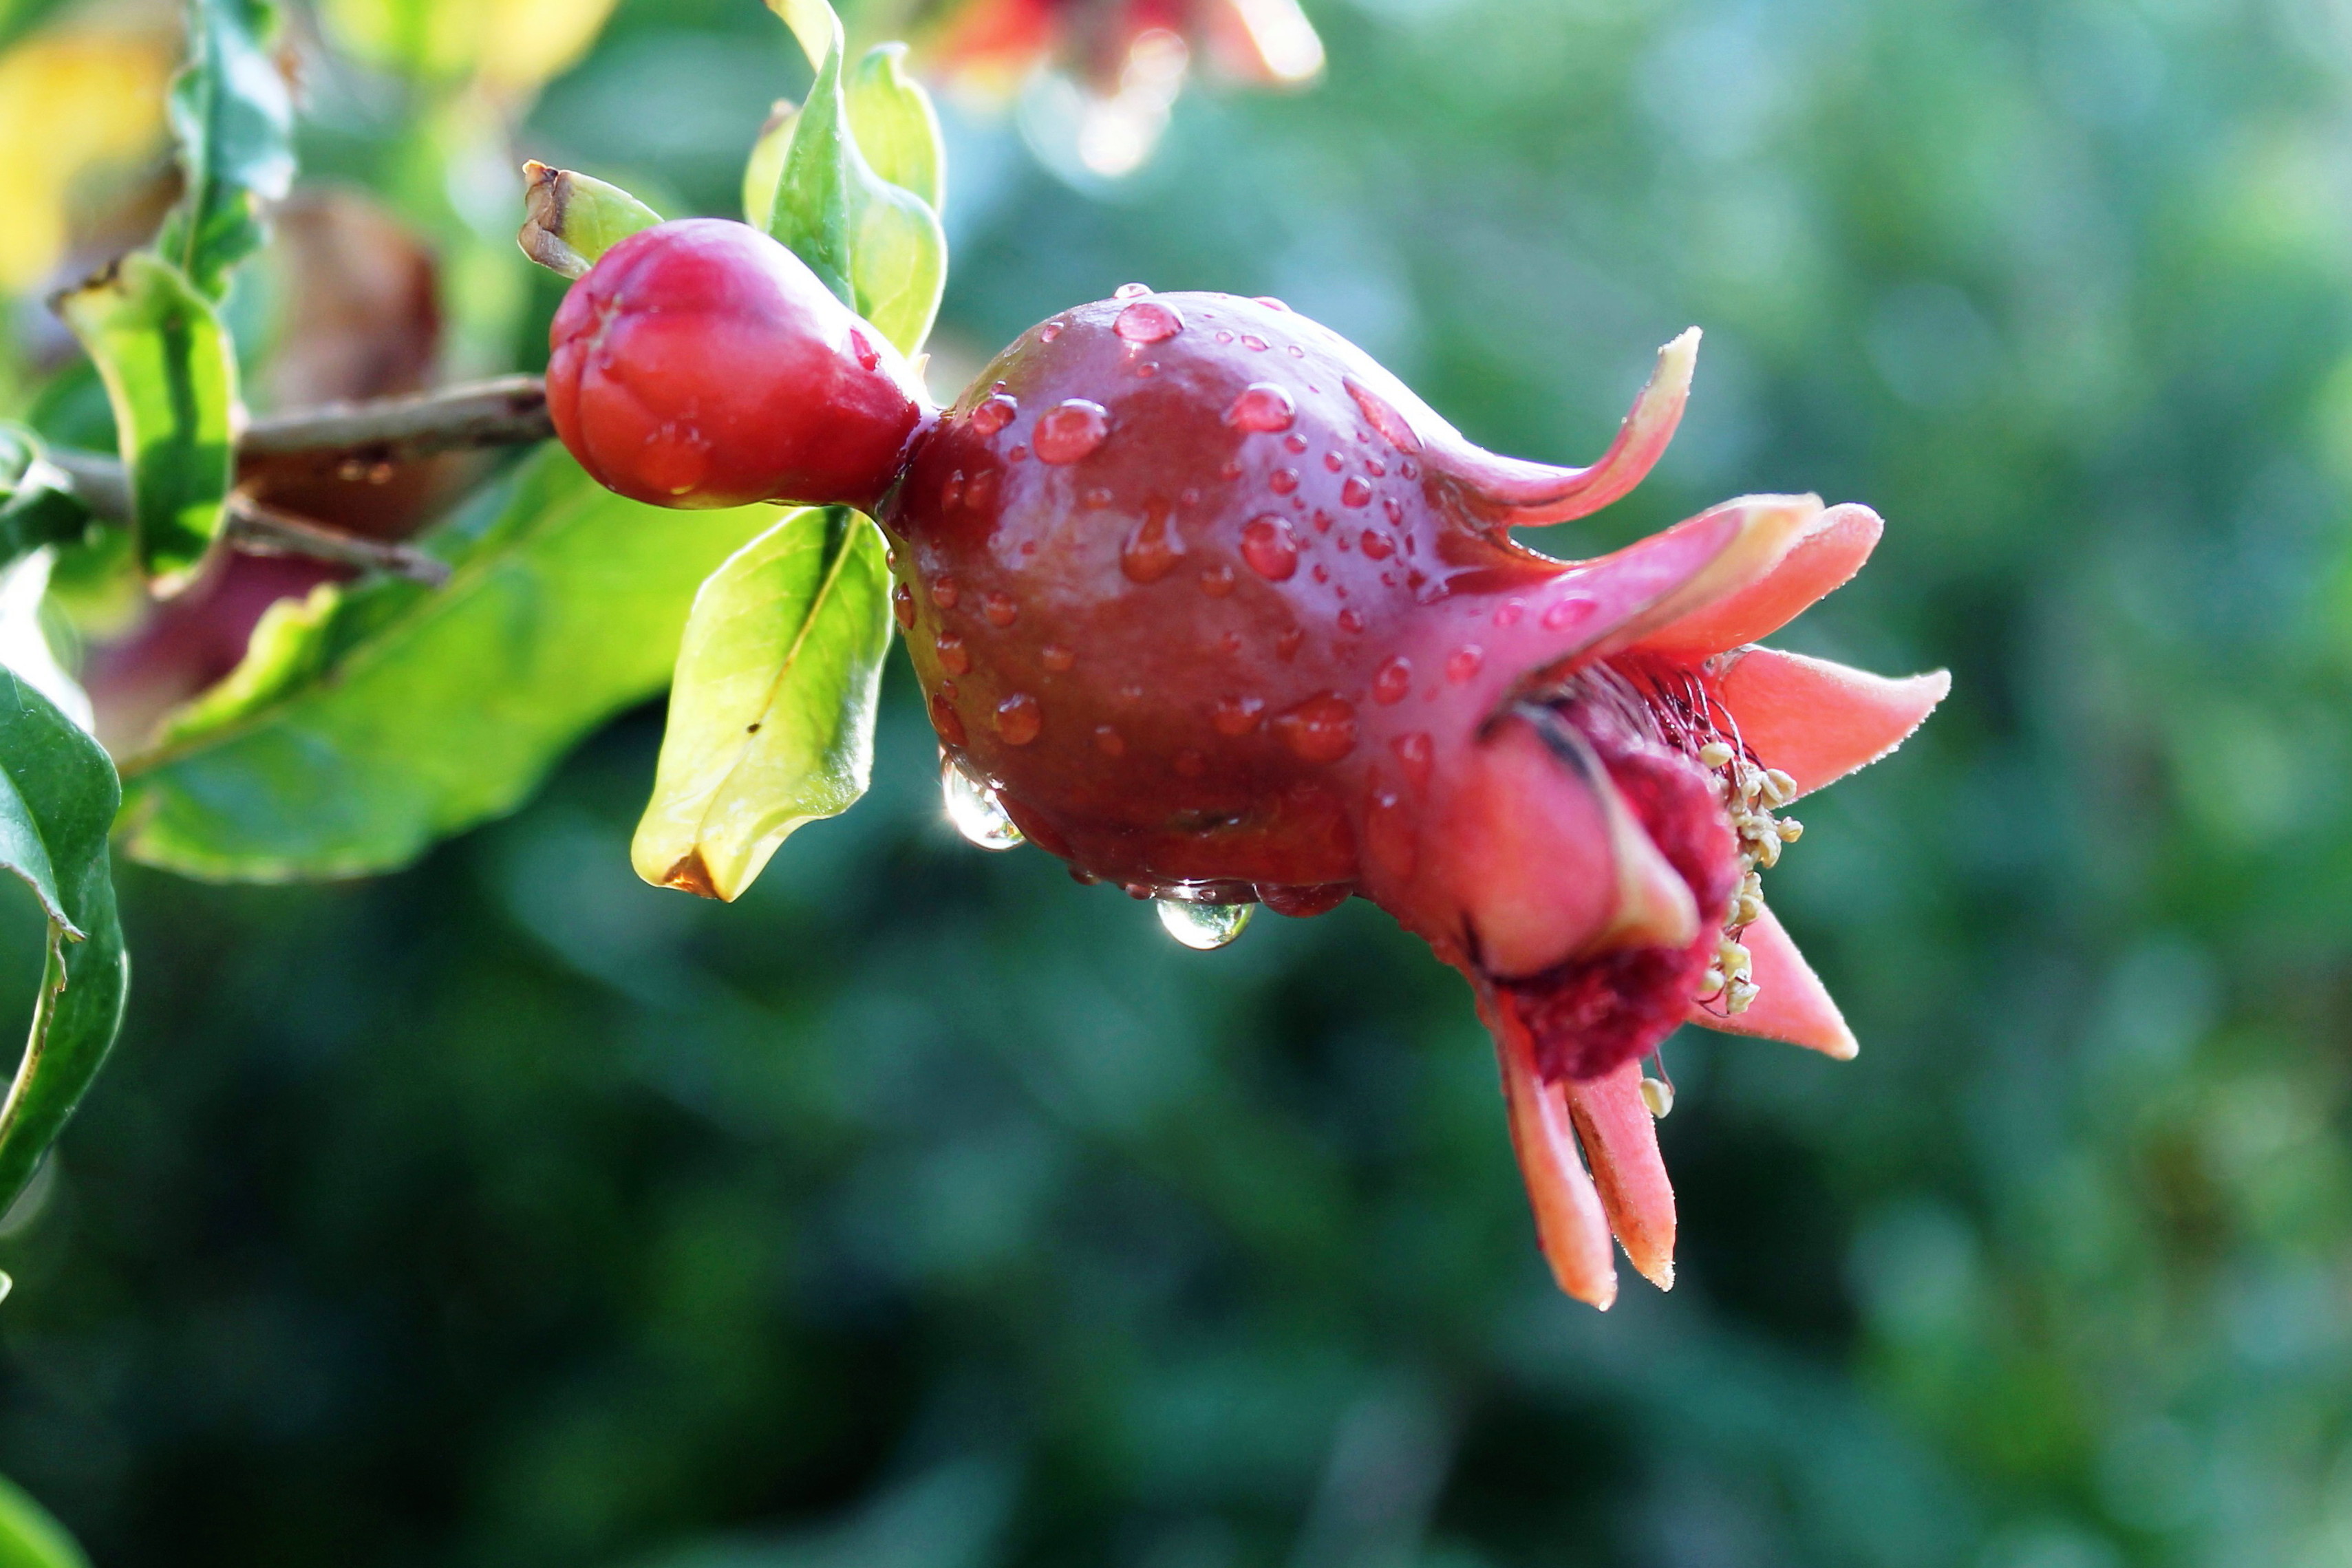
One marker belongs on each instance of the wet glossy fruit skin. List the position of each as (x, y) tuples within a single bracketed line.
[(699, 364), (1200, 610)]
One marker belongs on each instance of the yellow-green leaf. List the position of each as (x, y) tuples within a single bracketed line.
[(876, 245), (171, 378), (771, 708)]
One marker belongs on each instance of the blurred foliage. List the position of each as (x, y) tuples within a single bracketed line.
[(923, 1208)]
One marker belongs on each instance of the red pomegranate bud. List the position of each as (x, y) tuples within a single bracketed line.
[(700, 363), (1209, 604)]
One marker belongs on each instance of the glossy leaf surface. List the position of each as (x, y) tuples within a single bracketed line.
[(58, 797), (235, 122), (367, 722), (171, 378), (876, 245), (772, 713)]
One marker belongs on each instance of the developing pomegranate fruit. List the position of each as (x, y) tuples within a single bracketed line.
[(1210, 605), (699, 364), (1220, 611)]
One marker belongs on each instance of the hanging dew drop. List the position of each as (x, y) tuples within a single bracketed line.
[(974, 810), (1202, 925)]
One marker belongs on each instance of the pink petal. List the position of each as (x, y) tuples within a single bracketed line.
[(1620, 1139), (1791, 1004), (1545, 862), (1829, 551), (1513, 493), (1814, 721), (1598, 607), (1569, 1224)]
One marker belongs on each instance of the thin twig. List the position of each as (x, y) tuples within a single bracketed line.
[(510, 411), (258, 529)]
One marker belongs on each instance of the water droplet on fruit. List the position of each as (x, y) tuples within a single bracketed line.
[(1270, 303), (1385, 419), (1262, 406), (1302, 901), (867, 358), (1056, 657), (994, 414), (1283, 481), (945, 720), (1148, 368), (1019, 454), (902, 605), (1130, 290), (1230, 642), (1320, 730), (974, 809), (1287, 643), (1236, 715), (1392, 681), (1321, 573), (1507, 613), (1148, 321), (1270, 548), (951, 493), (999, 609), (1151, 550), (1377, 546), (954, 657), (1464, 662), (1409, 469), (1049, 331), (1389, 839), (1204, 926), (1108, 741), (1097, 497), (980, 491), (1018, 719), (1562, 613), (1351, 620), (1224, 337), (1322, 521), (1295, 442), (1070, 429), (1355, 492), (1393, 507), (1413, 751), (1334, 462), (1217, 582), (943, 592), (1253, 342), (1376, 468)]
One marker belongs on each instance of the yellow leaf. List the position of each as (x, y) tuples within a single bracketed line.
[(71, 102)]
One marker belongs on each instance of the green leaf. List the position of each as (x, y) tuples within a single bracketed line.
[(876, 245), (771, 711), (569, 220), (368, 722), (29, 1537), (58, 799), (894, 122), (235, 122), (171, 378)]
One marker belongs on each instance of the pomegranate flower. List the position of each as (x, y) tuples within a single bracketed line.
[(1220, 611)]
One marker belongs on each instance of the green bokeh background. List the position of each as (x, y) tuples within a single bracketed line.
[(924, 1208)]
